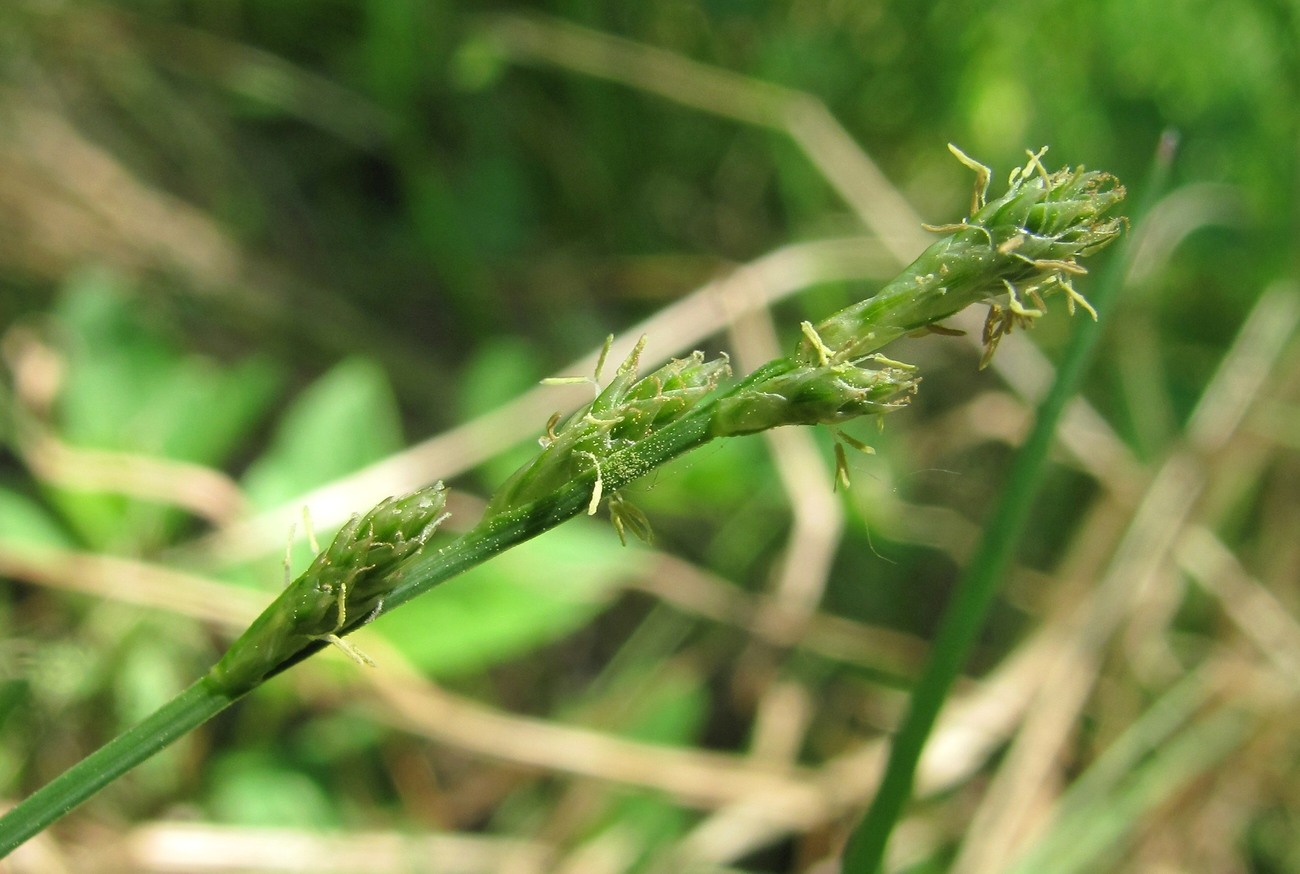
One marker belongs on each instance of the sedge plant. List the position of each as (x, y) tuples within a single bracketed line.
[(1011, 253)]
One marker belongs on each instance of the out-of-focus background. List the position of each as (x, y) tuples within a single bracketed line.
[(255, 257)]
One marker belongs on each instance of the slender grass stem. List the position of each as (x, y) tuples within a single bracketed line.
[(965, 616), (188, 710), (1029, 236), (203, 700)]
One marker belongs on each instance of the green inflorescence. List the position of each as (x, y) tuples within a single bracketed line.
[(343, 588), (789, 392), (625, 413), (1010, 253)]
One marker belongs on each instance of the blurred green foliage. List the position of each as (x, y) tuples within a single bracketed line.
[(341, 226)]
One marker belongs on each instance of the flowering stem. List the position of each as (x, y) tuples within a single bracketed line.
[(1011, 252)]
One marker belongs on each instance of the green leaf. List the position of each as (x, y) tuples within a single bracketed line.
[(256, 789), (499, 370), (26, 526), (342, 422), (130, 389), (522, 599), (204, 410), (115, 363)]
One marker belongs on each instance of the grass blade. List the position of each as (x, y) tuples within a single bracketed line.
[(975, 593)]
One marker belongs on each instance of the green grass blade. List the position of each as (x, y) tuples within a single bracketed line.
[(966, 613)]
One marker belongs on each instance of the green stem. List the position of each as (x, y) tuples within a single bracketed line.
[(375, 564), (203, 700), (188, 710), (965, 616)]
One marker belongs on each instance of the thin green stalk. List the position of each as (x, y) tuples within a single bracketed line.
[(970, 604), (203, 700), (187, 711), (1011, 253)]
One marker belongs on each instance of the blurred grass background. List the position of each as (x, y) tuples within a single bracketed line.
[(255, 257)]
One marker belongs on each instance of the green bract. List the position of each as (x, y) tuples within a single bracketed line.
[(343, 588)]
